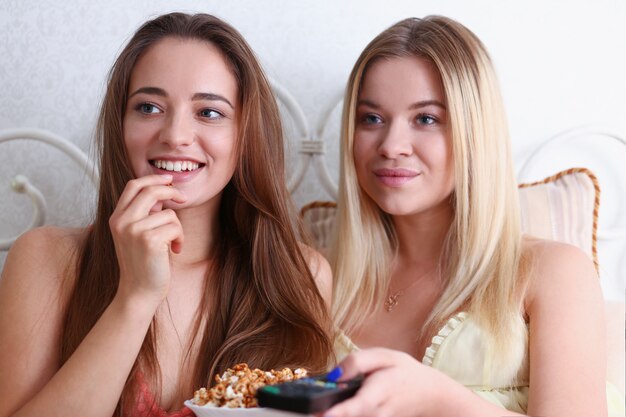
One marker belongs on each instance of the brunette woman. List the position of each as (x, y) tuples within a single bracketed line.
[(192, 263)]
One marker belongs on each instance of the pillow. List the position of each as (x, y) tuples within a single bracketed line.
[(562, 207), (318, 218)]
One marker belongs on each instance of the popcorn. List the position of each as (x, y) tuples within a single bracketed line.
[(237, 387)]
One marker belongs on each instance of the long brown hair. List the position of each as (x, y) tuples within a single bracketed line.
[(264, 306)]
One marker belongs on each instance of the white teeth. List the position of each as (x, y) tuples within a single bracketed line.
[(176, 166)]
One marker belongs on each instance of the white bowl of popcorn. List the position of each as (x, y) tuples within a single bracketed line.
[(234, 393), (211, 411)]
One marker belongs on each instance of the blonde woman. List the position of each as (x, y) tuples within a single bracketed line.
[(457, 313)]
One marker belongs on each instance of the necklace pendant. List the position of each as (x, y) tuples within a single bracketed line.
[(391, 302)]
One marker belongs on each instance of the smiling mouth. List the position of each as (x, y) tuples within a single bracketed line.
[(175, 166)]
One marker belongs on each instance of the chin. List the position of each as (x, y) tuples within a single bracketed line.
[(395, 208), (398, 211), (405, 207)]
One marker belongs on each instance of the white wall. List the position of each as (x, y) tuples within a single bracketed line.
[(561, 63)]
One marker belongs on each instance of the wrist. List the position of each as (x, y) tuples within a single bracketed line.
[(137, 306), (438, 394)]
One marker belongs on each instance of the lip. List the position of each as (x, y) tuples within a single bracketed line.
[(395, 177), (174, 158)]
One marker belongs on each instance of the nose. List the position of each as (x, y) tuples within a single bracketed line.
[(177, 131), (396, 141)]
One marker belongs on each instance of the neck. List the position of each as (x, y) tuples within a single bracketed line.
[(421, 236), (200, 230)]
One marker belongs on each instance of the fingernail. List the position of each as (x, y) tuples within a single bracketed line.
[(334, 375)]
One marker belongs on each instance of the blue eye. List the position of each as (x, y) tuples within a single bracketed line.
[(211, 114), (426, 119), (372, 119), (147, 108)]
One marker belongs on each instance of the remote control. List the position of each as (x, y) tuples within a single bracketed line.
[(307, 395)]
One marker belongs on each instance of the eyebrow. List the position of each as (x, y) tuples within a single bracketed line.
[(197, 96), (212, 97), (416, 105), (149, 90)]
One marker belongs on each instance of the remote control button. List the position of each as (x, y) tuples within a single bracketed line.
[(271, 389)]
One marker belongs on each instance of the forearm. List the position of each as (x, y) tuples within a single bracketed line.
[(454, 399), (91, 381)]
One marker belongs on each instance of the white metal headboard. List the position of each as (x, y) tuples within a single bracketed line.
[(21, 183), (311, 145)]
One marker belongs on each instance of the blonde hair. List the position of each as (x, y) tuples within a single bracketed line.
[(481, 256)]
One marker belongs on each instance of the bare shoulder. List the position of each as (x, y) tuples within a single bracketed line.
[(36, 280), (42, 256), (558, 271), (34, 288), (51, 237), (320, 269)]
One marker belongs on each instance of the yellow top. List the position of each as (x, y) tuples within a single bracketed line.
[(457, 350)]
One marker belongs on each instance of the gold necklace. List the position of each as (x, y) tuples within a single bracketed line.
[(392, 299)]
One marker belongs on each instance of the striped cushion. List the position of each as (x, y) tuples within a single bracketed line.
[(562, 207), (319, 218)]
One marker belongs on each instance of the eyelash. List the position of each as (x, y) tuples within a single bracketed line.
[(219, 114), (367, 119), (420, 118), (141, 107)]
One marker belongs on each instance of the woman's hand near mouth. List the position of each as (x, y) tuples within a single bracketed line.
[(144, 234)]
